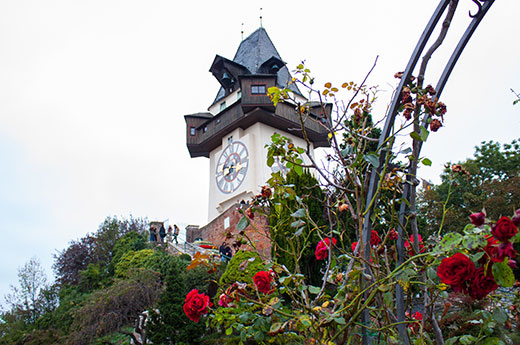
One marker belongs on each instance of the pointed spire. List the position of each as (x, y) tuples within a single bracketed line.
[(261, 17)]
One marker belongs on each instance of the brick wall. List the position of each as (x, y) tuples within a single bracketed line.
[(217, 231)]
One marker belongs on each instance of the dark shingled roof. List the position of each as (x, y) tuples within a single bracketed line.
[(253, 52)]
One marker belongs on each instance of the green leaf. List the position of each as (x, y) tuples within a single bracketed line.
[(499, 315), (299, 213), (427, 162), (297, 224), (259, 336), (229, 331), (467, 339), (275, 327), (450, 241), (306, 322), (372, 158), (503, 274), (270, 161), (477, 256), (298, 169), (243, 317), (424, 133), (471, 242), (490, 341), (432, 273), (299, 231), (340, 320), (416, 136), (242, 224), (314, 289), (451, 341), (347, 151)]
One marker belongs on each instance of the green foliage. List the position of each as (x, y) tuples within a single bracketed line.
[(132, 260), (132, 241), (290, 234), (242, 267)]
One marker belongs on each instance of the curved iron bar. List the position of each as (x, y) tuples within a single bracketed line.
[(377, 175), (403, 210), (478, 3)]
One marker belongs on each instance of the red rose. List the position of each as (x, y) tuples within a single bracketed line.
[(409, 245), (504, 229), (374, 238), (456, 270), (196, 304), (477, 219), (354, 244), (393, 235), (262, 280), (322, 249), (482, 284)]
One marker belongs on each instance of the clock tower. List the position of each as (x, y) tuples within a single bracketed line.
[(240, 121)]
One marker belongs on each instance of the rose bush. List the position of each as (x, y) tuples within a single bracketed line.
[(452, 277)]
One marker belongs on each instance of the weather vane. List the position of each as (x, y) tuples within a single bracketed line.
[(261, 17)]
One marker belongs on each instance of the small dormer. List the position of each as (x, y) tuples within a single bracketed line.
[(271, 66), (227, 73)]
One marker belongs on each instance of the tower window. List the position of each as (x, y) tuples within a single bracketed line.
[(258, 89), (192, 131), (205, 129), (222, 105)]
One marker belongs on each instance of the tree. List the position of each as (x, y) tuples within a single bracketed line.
[(283, 229), (490, 180), (96, 248), (33, 296)]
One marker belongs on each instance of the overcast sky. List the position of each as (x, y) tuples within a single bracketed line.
[(93, 93)]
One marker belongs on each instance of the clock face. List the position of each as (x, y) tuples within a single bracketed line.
[(232, 167)]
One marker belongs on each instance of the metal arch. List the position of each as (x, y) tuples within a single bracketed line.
[(376, 174)]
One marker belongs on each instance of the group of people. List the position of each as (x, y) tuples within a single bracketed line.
[(159, 235)]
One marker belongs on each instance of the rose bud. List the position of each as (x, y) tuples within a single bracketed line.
[(477, 219), (343, 207)]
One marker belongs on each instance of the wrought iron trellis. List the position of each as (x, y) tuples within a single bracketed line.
[(386, 146)]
